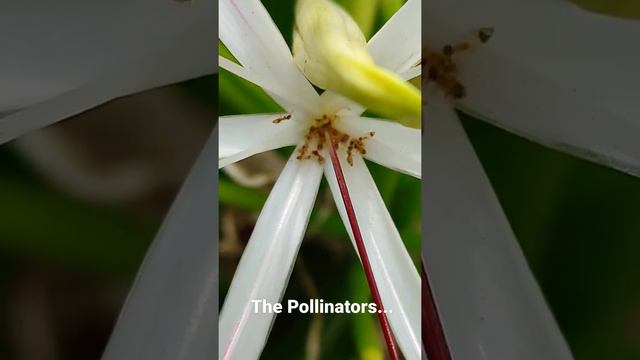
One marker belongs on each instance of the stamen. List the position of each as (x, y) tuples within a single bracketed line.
[(433, 338), (362, 251)]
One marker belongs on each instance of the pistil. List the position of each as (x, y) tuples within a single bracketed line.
[(362, 251)]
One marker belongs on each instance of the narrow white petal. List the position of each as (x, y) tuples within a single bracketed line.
[(552, 72), (170, 310), (397, 46), (396, 276), (178, 60), (275, 91), (250, 34), (244, 135), (248, 75), (489, 302), (393, 145), (267, 261)]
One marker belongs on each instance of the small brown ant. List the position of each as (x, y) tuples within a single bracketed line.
[(281, 119), (442, 68)]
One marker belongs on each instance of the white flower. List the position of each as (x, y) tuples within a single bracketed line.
[(555, 74), (249, 33)]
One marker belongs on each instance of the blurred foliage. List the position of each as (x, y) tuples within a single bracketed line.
[(60, 229), (617, 8)]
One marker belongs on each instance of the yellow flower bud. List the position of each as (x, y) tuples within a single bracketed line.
[(331, 51)]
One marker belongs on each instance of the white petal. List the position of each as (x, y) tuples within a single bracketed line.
[(267, 261), (276, 92), (331, 102), (171, 307), (396, 276), (66, 58), (489, 302), (552, 72), (397, 45), (163, 67), (240, 71), (244, 135), (413, 72), (393, 145), (250, 34)]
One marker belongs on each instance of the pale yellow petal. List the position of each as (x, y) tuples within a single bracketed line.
[(330, 49)]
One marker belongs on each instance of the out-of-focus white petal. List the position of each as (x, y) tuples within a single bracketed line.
[(393, 145), (50, 48), (397, 278), (489, 302), (397, 46), (244, 135), (551, 72), (267, 261), (165, 66), (62, 59), (250, 34), (171, 307)]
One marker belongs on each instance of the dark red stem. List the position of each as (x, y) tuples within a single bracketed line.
[(433, 338), (353, 221)]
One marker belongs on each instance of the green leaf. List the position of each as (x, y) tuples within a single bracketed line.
[(245, 198)]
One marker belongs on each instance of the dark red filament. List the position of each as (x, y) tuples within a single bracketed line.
[(373, 287), (433, 338)]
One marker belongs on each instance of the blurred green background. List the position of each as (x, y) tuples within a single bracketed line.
[(68, 258)]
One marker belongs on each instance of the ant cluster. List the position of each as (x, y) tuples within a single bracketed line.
[(442, 68), (318, 134)]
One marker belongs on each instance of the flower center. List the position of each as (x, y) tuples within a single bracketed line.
[(316, 138)]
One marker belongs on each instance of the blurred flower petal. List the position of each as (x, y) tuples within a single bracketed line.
[(246, 135), (489, 302), (267, 261), (393, 145), (247, 30), (398, 46), (61, 59), (396, 276), (552, 72), (171, 310)]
